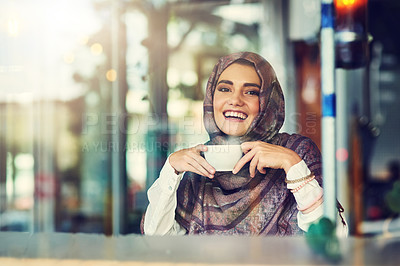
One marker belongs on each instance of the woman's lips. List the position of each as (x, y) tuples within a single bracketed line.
[(235, 115)]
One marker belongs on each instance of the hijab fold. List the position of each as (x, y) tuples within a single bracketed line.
[(233, 204)]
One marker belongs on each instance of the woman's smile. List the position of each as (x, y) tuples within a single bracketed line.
[(236, 102), (235, 115)]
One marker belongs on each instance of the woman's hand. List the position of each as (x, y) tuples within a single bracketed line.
[(264, 155), (190, 160)]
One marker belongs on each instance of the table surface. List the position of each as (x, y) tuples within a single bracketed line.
[(42, 248)]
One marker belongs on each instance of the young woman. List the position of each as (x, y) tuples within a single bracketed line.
[(274, 189)]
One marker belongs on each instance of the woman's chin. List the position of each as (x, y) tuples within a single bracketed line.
[(234, 132)]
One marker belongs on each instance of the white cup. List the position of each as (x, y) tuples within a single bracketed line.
[(223, 157)]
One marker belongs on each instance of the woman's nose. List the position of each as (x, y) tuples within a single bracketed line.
[(236, 99)]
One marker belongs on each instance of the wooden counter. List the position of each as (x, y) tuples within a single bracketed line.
[(90, 249)]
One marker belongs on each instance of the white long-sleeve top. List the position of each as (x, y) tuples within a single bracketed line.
[(160, 214)]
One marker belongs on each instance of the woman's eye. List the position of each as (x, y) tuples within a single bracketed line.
[(255, 92), (223, 89)]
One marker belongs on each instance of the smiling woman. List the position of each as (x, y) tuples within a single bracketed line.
[(236, 101), (274, 189)]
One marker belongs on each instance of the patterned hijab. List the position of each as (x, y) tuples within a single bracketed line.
[(272, 105), (231, 204)]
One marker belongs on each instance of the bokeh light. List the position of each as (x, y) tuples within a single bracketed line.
[(111, 75), (342, 154), (96, 49)]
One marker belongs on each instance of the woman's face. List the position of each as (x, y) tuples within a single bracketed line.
[(236, 101)]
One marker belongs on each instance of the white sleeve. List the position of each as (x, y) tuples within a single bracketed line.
[(160, 214), (308, 194)]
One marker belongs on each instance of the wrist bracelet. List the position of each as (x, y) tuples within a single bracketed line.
[(314, 206), (309, 205), (287, 181), (302, 185)]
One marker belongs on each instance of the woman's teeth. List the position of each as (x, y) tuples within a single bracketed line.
[(236, 115)]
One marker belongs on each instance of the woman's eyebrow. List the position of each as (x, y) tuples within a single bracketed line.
[(225, 81), (245, 84), (252, 85)]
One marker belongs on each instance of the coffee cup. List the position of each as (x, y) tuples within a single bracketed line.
[(223, 157)]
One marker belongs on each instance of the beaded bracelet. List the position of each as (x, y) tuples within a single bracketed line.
[(287, 181), (302, 185)]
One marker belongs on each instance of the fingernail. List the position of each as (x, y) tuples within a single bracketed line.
[(234, 171), (211, 176)]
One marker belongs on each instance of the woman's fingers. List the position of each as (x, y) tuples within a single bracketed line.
[(194, 166), (199, 148), (262, 155), (191, 160), (246, 158), (247, 146), (201, 165), (255, 163), (253, 166), (258, 154), (190, 168), (201, 161), (262, 170)]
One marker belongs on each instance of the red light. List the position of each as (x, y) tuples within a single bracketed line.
[(351, 15), (351, 33), (340, 4)]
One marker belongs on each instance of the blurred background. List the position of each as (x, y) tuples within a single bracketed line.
[(94, 95)]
